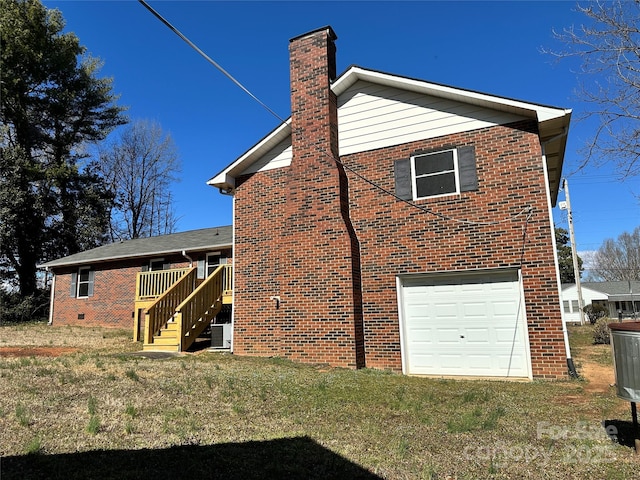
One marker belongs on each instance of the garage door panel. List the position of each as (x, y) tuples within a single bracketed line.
[(447, 336), (477, 336), (481, 362), (508, 336), (445, 310), (474, 309), (504, 308), (513, 362), (421, 335), (451, 361), (469, 324)]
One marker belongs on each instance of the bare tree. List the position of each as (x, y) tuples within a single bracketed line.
[(619, 259), (140, 168), (608, 47)]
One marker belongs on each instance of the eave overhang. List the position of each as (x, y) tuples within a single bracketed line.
[(553, 122)]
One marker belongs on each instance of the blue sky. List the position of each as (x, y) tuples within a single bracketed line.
[(492, 47)]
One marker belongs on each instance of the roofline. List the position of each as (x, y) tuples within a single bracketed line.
[(543, 114), (368, 74), (61, 262), (56, 264), (223, 180)]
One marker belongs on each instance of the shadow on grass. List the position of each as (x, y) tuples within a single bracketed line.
[(621, 431), (291, 458)]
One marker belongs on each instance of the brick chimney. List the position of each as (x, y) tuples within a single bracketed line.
[(321, 293)]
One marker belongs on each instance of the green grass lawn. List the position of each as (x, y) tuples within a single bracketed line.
[(106, 413)]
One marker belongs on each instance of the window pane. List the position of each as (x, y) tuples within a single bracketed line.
[(84, 275), (156, 265), (83, 290), (434, 163), (574, 305), (436, 185), (565, 303)]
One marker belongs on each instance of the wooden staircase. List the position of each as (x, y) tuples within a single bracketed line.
[(182, 313)]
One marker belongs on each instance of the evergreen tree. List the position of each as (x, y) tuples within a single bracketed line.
[(53, 103), (565, 260)]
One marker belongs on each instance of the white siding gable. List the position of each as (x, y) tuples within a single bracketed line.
[(278, 157), (372, 116)]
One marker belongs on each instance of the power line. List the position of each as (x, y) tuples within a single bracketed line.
[(527, 209), (209, 59)]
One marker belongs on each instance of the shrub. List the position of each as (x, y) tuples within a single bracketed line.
[(16, 308), (594, 312), (601, 332)]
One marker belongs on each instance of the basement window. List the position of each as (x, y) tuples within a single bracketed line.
[(435, 174)]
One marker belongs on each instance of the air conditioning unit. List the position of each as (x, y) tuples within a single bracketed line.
[(221, 336)]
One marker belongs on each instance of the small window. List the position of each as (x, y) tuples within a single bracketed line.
[(214, 260), (85, 282), (574, 305), (435, 174), (565, 304), (156, 264)]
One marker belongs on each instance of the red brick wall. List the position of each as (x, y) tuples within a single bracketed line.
[(112, 303), (396, 239), (331, 245), (307, 228)]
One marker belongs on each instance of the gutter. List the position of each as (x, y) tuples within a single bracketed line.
[(570, 365)]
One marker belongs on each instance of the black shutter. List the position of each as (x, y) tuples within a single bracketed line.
[(467, 168), (74, 281), (402, 174)]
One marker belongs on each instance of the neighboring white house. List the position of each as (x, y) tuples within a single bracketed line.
[(618, 297)]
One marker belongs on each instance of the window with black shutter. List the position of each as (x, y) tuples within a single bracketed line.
[(438, 173)]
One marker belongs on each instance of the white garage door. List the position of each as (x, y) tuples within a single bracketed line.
[(470, 324)]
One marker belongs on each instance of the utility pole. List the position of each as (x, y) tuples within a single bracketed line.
[(574, 253)]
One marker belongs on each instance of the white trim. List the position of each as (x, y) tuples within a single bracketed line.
[(527, 343), (456, 174), (401, 280), (551, 120), (156, 259), (88, 269), (51, 300), (554, 246), (532, 110), (233, 262), (401, 323)]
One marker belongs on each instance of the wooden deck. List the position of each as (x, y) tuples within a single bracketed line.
[(172, 307)]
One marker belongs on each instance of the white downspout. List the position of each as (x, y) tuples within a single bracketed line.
[(52, 295), (184, 254), (565, 333), (233, 263)]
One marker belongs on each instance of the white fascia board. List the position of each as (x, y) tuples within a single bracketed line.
[(542, 113), (226, 178), (546, 116), (223, 180)]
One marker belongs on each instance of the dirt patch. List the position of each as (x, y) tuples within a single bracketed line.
[(600, 378), (36, 351)]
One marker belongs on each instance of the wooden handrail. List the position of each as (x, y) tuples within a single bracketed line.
[(150, 285), (163, 309), (204, 299)]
